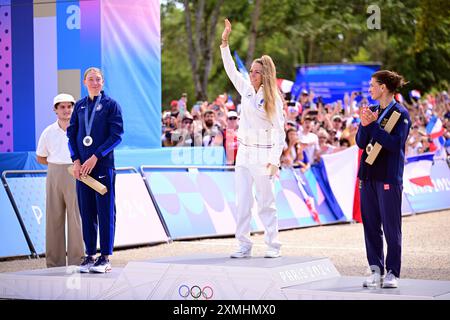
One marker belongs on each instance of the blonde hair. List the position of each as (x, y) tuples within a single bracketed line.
[(269, 81), (97, 70)]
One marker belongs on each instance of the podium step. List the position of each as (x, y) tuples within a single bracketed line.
[(211, 277), (350, 288), (62, 283), (218, 277)]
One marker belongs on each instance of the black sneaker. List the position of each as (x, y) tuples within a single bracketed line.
[(86, 264), (101, 265)]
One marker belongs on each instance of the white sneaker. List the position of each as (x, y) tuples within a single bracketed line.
[(241, 253), (272, 253), (373, 281), (390, 281)]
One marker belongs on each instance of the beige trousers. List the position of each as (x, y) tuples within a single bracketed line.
[(62, 203)]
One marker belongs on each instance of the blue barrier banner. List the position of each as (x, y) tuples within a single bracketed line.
[(331, 82), (406, 206), (137, 220), (12, 239), (29, 196), (195, 204), (423, 199)]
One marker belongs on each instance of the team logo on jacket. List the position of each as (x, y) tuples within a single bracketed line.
[(260, 104), (99, 107)]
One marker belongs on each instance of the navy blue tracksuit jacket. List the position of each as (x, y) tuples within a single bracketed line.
[(381, 189), (97, 211)]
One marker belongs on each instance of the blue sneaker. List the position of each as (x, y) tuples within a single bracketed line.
[(86, 264), (101, 265)]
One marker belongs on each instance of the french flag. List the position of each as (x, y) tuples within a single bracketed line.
[(285, 85), (434, 128), (418, 169)]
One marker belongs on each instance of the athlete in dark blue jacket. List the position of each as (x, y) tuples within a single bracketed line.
[(95, 129), (382, 182)]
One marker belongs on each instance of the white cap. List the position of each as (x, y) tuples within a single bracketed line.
[(232, 114), (63, 97), (166, 114)]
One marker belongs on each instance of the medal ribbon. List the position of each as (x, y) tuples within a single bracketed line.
[(385, 111), (383, 114), (88, 122)]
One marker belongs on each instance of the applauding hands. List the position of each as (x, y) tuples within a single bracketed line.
[(367, 116)]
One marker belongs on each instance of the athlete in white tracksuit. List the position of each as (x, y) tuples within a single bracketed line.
[(261, 143)]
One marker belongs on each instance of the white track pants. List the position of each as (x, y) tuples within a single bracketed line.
[(265, 198)]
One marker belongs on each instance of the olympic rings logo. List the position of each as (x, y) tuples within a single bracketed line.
[(195, 292)]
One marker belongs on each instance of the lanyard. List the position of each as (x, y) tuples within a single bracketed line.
[(385, 111), (88, 122)]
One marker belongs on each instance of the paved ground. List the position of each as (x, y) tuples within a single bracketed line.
[(426, 248)]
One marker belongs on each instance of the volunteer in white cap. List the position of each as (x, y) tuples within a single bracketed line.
[(261, 140), (61, 200)]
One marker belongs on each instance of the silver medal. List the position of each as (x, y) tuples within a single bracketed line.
[(87, 141)]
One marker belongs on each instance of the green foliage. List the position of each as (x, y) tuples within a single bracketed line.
[(175, 67), (413, 40)]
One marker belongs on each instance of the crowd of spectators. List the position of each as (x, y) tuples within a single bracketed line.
[(313, 128), (422, 110)]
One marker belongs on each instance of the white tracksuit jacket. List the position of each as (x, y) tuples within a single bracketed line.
[(261, 142)]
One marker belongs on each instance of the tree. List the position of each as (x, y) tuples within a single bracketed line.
[(253, 33), (413, 40), (432, 43), (200, 41)]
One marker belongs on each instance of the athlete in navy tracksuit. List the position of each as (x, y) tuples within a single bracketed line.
[(381, 182), (91, 145)]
